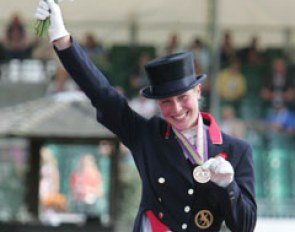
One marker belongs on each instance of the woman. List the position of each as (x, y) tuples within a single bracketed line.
[(193, 176)]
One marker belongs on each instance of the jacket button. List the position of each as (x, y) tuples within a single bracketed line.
[(187, 209), (190, 192), (184, 226), (161, 180), (160, 215), (160, 199), (232, 195)]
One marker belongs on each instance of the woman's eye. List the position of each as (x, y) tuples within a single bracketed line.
[(165, 102), (182, 97)]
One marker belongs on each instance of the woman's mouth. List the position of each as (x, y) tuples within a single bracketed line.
[(180, 117)]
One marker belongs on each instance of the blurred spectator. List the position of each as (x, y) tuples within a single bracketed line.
[(144, 106), (137, 78), (61, 83), (278, 84), (93, 47), (201, 56), (49, 174), (280, 119), (251, 54), (227, 50), (86, 185), (50, 197), (201, 61), (16, 44), (173, 45), (97, 53), (2, 53), (130, 188), (231, 85), (230, 124)]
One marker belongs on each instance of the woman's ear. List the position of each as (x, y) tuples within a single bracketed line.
[(198, 90)]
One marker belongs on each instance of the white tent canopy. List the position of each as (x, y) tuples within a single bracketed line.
[(156, 18), (232, 12)]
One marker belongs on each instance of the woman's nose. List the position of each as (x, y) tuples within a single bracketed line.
[(177, 106)]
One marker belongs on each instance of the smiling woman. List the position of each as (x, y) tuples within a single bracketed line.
[(181, 111), (168, 163)]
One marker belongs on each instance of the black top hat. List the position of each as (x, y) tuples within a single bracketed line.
[(171, 75)]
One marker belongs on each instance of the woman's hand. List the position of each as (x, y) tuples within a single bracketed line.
[(57, 32)]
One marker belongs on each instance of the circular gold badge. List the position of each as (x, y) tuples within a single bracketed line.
[(204, 219)]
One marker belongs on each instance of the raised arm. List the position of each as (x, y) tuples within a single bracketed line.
[(112, 108)]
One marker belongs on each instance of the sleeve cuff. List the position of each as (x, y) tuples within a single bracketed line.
[(233, 190)]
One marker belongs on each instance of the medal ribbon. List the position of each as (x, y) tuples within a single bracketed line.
[(199, 154)]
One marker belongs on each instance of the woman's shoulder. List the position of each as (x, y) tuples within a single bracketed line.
[(234, 141)]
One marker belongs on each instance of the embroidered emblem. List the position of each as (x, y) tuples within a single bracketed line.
[(204, 219)]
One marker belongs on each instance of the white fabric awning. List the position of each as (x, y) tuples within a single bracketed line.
[(232, 12), (109, 18)]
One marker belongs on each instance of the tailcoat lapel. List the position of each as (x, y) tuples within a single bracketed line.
[(214, 149), (177, 159)]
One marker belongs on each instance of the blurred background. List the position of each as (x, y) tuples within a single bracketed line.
[(60, 170)]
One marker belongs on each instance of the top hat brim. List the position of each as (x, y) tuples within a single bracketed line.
[(173, 89)]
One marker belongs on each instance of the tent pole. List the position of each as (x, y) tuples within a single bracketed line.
[(213, 38)]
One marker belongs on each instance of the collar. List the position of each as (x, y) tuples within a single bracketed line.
[(213, 129)]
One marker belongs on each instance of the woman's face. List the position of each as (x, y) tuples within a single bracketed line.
[(181, 111)]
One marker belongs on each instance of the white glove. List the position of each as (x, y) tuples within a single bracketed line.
[(222, 173), (48, 8)]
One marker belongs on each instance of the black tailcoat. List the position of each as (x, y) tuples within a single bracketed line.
[(168, 188)]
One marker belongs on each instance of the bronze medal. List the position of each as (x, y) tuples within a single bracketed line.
[(204, 219), (200, 175)]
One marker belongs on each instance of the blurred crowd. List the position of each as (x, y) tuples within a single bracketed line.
[(252, 83)]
